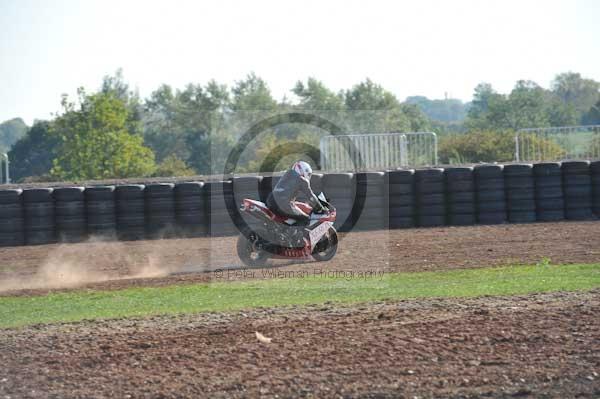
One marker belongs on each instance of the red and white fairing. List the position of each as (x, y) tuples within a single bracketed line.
[(321, 223)]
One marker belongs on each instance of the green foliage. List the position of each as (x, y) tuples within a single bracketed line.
[(568, 103), (10, 132), (524, 107), (577, 92), (172, 166), (32, 155), (95, 142), (174, 119), (315, 96), (592, 117), (476, 146), (488, 146), (447, 110), (200, 124), (275, 154), (252, 94)]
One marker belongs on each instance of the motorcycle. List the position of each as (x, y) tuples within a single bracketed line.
[(280, 237)]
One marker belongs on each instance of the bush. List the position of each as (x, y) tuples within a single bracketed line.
[(489, 146), (172, 166)]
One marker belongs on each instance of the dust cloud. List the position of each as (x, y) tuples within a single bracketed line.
[(74, 265)]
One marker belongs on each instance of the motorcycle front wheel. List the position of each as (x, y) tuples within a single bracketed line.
[(249, 252)]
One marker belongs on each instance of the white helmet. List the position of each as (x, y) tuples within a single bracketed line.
[(303, 169)]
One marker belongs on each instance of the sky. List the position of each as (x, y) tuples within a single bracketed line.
[(430, 48)]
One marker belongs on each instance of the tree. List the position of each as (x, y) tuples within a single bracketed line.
[(11, 131), (525, 106), (580, 93), (447, 110), (32, 154), (482, 97), (176, 123), (95, 142), (315, 96), (252, 94), (417, 119), (119, 88), (372, 109)]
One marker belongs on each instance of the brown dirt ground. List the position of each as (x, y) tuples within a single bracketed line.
[(115, 265), (544, 345)]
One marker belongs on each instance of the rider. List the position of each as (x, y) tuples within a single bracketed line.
[(295, 181)]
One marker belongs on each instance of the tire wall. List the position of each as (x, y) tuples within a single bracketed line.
[(216, 195), (38, 207), (131, 215), (595, 179), (340, 188), (549, 197), (460, 192), (490, 194), (519, 185), (484, 194), (577, 186), (101, 211), (12, 222), (246, 187), (399, 188), (430, 193), (369, 210), (190, 209), (70, 214)]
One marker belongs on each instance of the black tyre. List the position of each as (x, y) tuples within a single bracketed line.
[(575, 167), (551, 215), (518, 170), (400, 189), (494, 184), (401, 222), (401, 200), (68, 194), (491, 207), (547, 169), (249, 251), (401, 211), (431, 220), (100, 193), (488, 171), (461, 219), (461, 208), (10, 196), (400, 176), (522, 216), (491, 218), (337, 179), (459, 173), (493, 196)]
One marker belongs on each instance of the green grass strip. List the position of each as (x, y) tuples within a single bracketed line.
[(310, 289)]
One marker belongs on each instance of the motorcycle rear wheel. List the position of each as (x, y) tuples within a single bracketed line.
[(248, 252), (325, 251)]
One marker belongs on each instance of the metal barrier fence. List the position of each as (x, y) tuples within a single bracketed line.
[(378, 151), (557, 143), (422, 149)]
